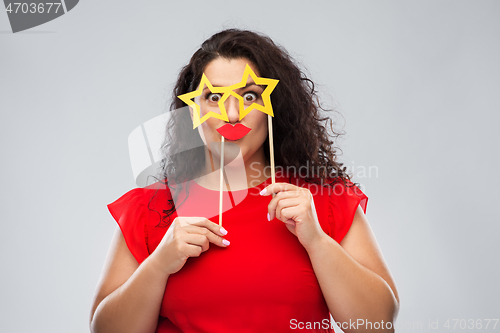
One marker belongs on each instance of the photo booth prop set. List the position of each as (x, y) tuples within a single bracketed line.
[(229, 131)]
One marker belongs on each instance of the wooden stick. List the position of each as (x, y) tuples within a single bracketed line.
[(221, 183), (226, 182), (271, 147), (211, 159)]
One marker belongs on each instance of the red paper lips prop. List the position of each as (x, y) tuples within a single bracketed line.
[(233, 133)]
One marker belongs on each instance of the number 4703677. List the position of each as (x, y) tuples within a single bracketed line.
[(24, 7), (471, 324)]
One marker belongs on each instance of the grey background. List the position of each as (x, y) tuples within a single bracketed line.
[(417, 82)]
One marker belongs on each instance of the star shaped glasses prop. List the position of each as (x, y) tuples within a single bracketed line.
[(188, 99), (266, 94), (230, 91)]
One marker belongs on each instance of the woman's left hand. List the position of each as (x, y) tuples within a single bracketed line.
[(294, 206)]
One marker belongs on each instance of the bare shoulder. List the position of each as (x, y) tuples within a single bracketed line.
[(119, 265), (361, 244)]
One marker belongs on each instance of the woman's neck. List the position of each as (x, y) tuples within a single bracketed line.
[(239, 174)]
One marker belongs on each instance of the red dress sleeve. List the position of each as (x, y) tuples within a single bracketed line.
[(129, 211), (343, 202)]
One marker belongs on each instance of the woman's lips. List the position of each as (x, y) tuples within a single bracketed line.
[(231, 132)]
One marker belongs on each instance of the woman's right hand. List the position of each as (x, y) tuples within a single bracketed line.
[(186, 237)]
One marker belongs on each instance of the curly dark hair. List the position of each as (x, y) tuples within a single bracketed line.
[(301, 133)]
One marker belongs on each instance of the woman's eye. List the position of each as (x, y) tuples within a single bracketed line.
[(214, 97), (250, 96)]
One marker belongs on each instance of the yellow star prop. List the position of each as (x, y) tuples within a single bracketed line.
[(227, 91), (266, 95), (188, 99)]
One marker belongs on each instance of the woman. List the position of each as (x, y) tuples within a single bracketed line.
[(289, 254)]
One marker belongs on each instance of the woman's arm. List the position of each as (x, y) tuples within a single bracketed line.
[(354, 277), (128, 296)]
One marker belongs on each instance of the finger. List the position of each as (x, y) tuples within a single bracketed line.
[(286, 203), (289, 213), (197, 239), (203, 222), (208, 234), (271, 208), (187, 220), (277, 187), (193, 250)]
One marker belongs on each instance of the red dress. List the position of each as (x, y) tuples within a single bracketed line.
[(262, 282)]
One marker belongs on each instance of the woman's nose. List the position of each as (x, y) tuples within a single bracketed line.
[(232, 109)]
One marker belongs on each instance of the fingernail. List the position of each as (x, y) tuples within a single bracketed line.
[(223, 231), (226, 242), (263, 191), (268, 217)]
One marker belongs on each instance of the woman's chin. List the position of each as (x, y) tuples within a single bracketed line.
[(233, 154)]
